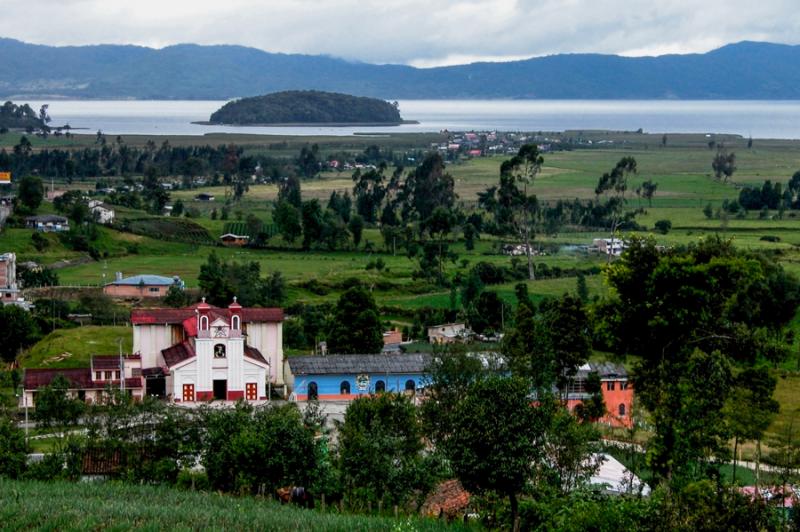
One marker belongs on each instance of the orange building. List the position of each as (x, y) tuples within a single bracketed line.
[(617, 392), (141, 286)]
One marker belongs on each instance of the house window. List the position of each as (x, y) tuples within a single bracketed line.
[(108, 375), (98, 375), (313, 394), (219, 351), (235, 323), (116, 374), (610, 386), (622, 410), (154, 289), (203, 323), (380, 386), (344, 388), (623, 385), (411, 386)]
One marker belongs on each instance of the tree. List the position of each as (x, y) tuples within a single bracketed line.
[(368, 191), (312, 222), (581, 288), (381, 454), (724, 164), (613, 185), (750, 407), (177, 209), (429, 186), (13, 449), (308, 162), (54, 406), (496, 437), (287, 218), (246, 448), (18, 329), (663, 226), (522, 168), (356, 325), (30, 192), (356, 228), (648, 190), (176, 297), (289, 191)]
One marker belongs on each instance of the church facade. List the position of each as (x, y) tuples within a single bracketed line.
[(188, 355)]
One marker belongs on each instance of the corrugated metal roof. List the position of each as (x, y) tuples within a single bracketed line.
[(346, 364), (604, 369), (148, 280)]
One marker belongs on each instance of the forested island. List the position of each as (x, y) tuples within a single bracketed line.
[(307, 108)]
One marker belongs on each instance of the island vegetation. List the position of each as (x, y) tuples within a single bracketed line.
[(307, 107), (13, 116)]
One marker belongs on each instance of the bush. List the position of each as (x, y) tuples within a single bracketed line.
[(663, 226), (770, 238)]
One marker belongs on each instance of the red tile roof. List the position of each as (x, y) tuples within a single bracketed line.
[(448, 499), (101, 362), (178, 353), (178, 315), (255, 354), (39, 378)]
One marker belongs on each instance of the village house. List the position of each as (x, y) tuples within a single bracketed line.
[(609, 246), (8, 278), (89, 384), (233, 240), (102, 213), (187, 355), (141, 286), (616, 389), (47, 223), (447, 333), (346, 377)]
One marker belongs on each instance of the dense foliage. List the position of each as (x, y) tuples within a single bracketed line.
[(306, 107)]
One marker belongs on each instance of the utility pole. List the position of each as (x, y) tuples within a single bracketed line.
[(121, 368)]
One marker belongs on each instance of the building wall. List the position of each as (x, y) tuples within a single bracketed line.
[(149, 340), (613, 399), (329, 386), (115, 290), (268, 339)]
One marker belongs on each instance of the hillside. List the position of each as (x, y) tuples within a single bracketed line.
[(744, 70), (306, 107)]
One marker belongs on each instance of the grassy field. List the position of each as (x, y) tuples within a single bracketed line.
[(72, 348), (26, 505)]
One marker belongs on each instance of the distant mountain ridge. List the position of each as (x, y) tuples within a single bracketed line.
[(745, 70)]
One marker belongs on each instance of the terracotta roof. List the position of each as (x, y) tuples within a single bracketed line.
[(255, 354), (178, 353), (178, 315), (39, 378), (101, 362), (448, 499)]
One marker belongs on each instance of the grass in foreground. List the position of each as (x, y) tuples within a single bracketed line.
[(91, 506)]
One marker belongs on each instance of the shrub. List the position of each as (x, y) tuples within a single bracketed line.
[(663, 226)]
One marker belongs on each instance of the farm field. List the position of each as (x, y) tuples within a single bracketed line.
[(94, 506)]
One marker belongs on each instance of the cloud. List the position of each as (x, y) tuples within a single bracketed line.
[(417, 32)]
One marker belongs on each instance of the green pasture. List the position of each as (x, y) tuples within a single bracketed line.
[(73, 348)]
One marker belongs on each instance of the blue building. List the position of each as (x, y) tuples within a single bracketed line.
[(346, 377)]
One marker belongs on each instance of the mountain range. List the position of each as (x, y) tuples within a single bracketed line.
[(745, 70)]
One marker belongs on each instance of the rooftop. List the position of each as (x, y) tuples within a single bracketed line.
[(390, 363), (147, 280)]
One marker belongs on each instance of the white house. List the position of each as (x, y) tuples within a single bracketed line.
[(610, 246), (101, 212)]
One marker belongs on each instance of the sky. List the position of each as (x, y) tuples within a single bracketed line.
[(421, 33)]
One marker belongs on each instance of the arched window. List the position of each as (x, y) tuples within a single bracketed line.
[(219, 351), (411, 386), (344, 388), (313, 395), (622, 409), (235, 323), (203, 323), (380, 386)]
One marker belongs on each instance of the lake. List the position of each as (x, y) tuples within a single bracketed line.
[(759, 119)]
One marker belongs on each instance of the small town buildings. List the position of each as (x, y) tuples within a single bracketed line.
[(48, 223), (203, 196), (346, 377), (448, 333), (616, 389), (89, 384), (8, 278), (610, 246), (233, 240), (187, 355), (141, 286), (102, 213)]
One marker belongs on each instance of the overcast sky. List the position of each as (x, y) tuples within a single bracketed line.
[(416, 32)]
